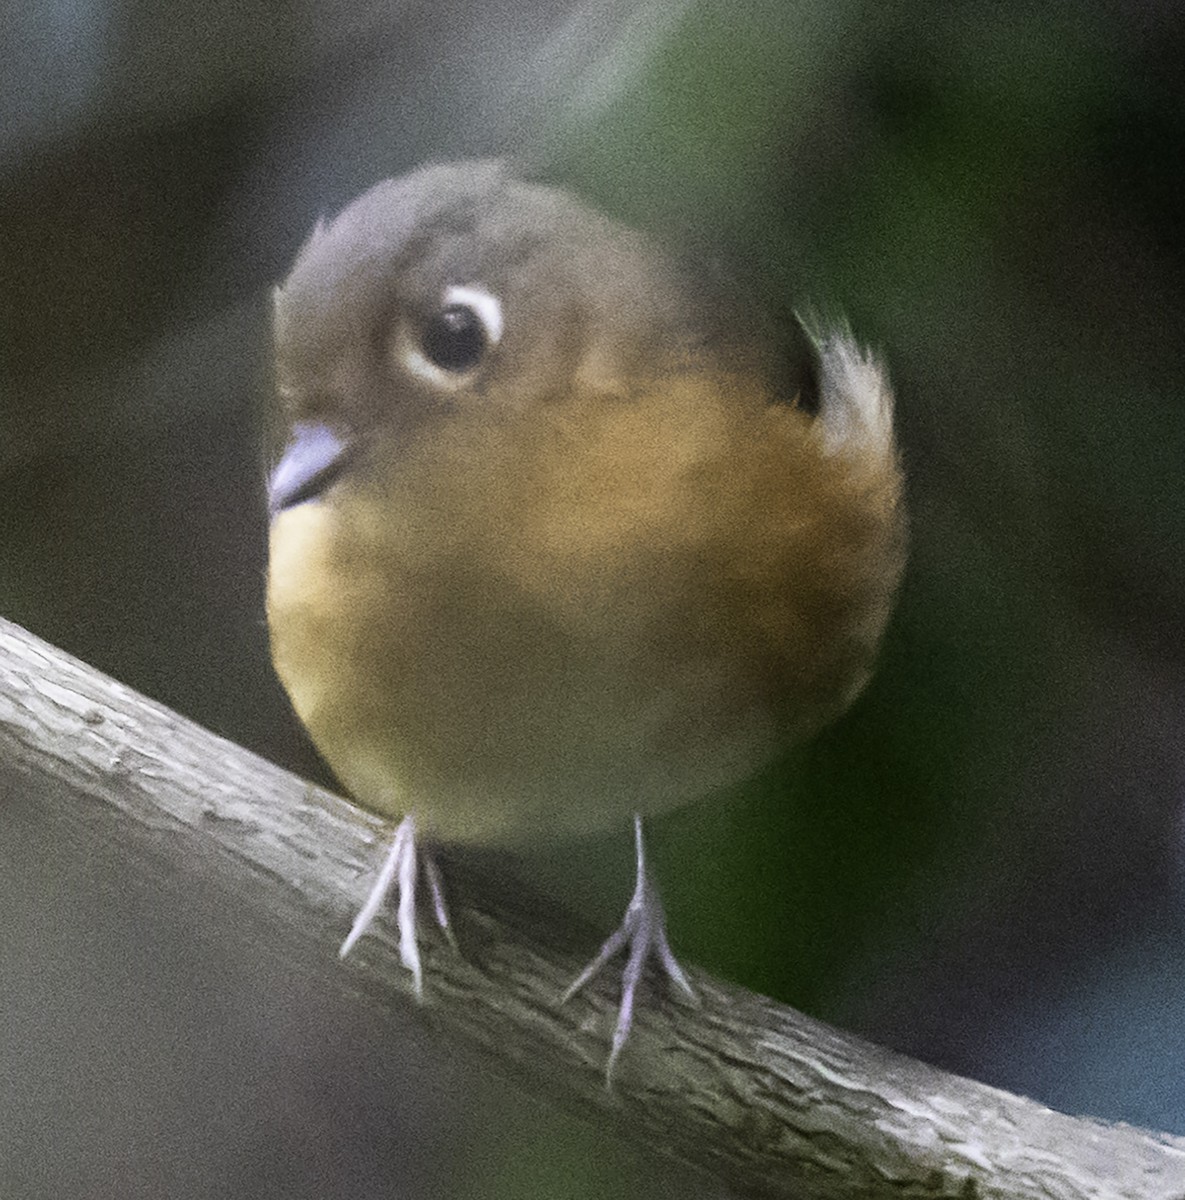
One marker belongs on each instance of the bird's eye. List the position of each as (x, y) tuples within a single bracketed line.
[(455, 338), (447, 347)]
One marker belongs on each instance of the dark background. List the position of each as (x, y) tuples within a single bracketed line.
[(981, 864)]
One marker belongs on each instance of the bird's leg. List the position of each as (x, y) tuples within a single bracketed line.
[(644, 931), (400, 868)]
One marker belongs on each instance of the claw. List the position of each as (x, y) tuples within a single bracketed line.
[(400, 868), (643, 930), (439, 908)]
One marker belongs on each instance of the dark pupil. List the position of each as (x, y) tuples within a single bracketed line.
[(455, 338)]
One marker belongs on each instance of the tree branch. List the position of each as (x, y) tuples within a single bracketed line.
[(774, 1103)]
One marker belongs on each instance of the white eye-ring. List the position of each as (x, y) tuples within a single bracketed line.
[(448, 347), (487, 307)]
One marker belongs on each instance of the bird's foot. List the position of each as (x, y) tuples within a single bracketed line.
[(400, 868), (643, 930)]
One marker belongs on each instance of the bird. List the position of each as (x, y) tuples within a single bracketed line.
[(566, 530)]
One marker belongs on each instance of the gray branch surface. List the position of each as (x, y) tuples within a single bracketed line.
[(773, 1103)]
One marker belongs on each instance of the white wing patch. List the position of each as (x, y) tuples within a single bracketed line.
[(856, 402)]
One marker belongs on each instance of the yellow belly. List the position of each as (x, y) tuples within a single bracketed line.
[(535, 626)]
